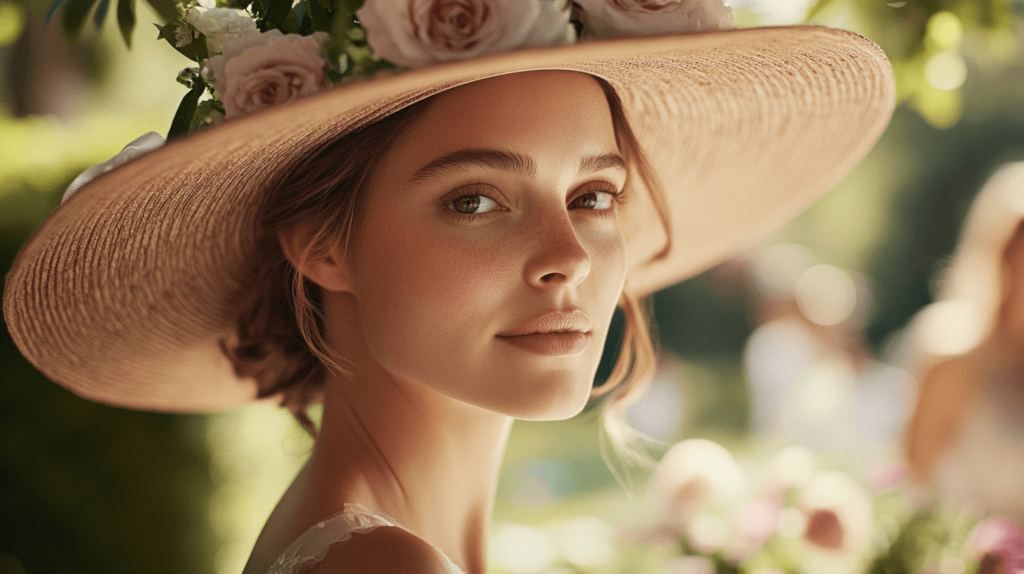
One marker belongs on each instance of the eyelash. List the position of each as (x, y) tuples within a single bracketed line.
[(480, 189)]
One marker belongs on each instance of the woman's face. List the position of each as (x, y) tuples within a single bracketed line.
[(489, 224)]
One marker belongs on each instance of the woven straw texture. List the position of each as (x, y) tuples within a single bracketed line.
[(125, 292)]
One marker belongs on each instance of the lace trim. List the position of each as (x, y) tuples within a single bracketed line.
[(311, 548)]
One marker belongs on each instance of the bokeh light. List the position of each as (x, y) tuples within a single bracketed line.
[(946, 70), (945, 30), (950, 327), (12, 22), (826, 295), (521, 549)]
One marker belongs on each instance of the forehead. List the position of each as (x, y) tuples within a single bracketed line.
[(558, 115)]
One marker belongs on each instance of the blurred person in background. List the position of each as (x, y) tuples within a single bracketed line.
[(811, 377), (967, 434), (430, 254)]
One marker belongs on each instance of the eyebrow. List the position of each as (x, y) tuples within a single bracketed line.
[(508, 161)]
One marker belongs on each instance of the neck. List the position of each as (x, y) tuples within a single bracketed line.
[(428, 461)]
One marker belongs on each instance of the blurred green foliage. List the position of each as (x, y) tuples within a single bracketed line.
[(85, 487)]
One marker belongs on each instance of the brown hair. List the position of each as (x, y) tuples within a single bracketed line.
[(280, 341)]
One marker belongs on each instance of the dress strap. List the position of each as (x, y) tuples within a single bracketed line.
[(312, 546)]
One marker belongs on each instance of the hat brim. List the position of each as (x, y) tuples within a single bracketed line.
[(124, 293)]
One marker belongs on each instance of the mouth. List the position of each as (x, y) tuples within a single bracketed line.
[(553, 322), (557, 333), (550, 344)]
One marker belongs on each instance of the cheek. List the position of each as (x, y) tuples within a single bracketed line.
[(423, 296), (608, 269)]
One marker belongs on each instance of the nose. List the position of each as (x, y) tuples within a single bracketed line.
[(558, 257)]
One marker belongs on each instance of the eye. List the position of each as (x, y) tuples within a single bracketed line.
[(472, 204), (596, 199)]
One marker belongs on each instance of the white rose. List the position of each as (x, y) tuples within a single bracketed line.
[(612, 18), (419, 33), (257, 72), (217, 24)]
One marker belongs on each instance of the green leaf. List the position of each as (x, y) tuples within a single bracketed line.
[(101, 13), (278, 12), (819, 7), (202, 114), (356, 34), (74, 19), (340, 25), (167, 9), (333, 76), (347, 6), (259, 10), (126, 19), (321, 16), (195, 50), (186, 110), (239, 4), (290, 25), (301, 9), (57, 4), (361, 55)]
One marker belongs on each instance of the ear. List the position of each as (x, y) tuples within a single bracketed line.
[(330, 272)]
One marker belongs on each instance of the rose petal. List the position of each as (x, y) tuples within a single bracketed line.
[(614, 18), (418, 33)]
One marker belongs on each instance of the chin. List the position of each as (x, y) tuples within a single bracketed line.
[(560, 397)]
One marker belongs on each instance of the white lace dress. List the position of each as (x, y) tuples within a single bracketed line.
[(312, 546)]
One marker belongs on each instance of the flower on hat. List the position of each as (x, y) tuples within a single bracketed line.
[(217, 24), (418, 33), (264, 70), (613, 18)]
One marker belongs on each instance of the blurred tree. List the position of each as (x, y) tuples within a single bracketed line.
[(926, 40)]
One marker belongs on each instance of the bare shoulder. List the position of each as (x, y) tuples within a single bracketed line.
[(385, 550)]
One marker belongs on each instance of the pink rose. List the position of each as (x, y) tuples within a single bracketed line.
[(257, 72), (611, 18), (419, 33)]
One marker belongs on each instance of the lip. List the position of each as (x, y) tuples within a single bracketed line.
[(556, 333), (551, 344)]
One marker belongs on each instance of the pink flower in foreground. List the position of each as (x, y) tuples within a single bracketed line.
[(999, 545), (838, 514), (258, 72), (693, 475)]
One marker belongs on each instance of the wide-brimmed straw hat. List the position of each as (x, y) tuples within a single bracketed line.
[(124, 294)]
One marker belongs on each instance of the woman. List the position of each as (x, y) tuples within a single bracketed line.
[(435, 252), (967, 434)]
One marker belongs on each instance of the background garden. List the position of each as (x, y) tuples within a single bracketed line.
[(782, 377)]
